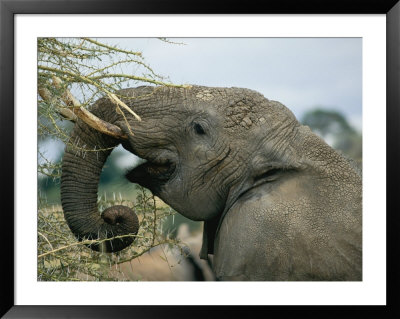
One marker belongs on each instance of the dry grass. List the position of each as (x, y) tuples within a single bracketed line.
[(62, 258)]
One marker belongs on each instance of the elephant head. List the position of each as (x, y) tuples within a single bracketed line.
[(207, 150), (196, 143)]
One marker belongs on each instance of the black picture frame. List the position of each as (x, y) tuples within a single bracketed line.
[(8, 10)]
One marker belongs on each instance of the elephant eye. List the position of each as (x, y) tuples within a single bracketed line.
[(199, 129)]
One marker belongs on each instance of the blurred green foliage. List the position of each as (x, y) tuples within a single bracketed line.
[(333, 126)]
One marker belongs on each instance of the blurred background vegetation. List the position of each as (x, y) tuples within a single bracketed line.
[(88, 69), (335, 129)]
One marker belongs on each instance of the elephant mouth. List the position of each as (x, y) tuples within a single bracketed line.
[(153, 173)]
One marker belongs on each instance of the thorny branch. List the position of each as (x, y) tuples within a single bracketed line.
[(69, 259), (73, 106), (72, 74)]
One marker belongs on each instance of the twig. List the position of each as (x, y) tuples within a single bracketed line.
[(86, 116), (86, 242), (111, 47), (45, 238), (155, 219), (167, 241), (117, 101), (47, 96), (139, 78)]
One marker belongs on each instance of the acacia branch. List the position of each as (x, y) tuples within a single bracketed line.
[(124, 62), (92, 80), (86, 242), (80, 112), (47, 96), (166, 241), (111, 47), (112, 96), (137, 78)]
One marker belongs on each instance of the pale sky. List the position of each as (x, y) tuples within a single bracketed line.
[(301, 73)]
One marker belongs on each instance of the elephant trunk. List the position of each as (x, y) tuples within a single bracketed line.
[(83, 161)]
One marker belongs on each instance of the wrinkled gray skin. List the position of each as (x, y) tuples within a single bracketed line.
[(277, 201)]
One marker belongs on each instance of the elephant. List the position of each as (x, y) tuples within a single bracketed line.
[(277, 202)]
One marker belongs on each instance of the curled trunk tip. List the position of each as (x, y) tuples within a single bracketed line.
[(119, 229)]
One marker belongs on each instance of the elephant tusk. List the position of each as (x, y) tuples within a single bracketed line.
[(98, 124)]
